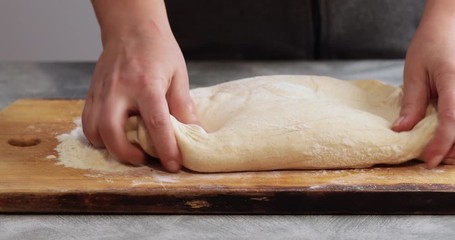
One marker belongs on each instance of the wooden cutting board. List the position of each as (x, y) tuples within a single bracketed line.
[(31, 182)]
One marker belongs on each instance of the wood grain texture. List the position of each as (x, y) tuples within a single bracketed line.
[(32, 183)]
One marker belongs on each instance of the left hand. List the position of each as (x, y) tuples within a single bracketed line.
[(429, 73)]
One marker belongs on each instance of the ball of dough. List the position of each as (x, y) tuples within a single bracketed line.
[(293, 122)]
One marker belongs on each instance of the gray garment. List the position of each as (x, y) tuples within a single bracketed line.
[(294, 29), (368, 29)]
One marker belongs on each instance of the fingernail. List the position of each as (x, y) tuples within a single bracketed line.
[(173, 166), (398, 122)]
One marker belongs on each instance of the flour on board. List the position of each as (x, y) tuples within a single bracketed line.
[(75, 151)]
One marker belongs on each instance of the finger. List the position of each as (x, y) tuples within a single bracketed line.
[(155, 113), (449, 161), (112, 132), (415, 99), (181, 106), (90, 116), (444, 136), (450, 157), (439, 145)]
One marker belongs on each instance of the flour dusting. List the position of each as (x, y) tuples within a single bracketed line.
[(75, 151)]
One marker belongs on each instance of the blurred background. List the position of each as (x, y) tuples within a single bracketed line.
[(48, 30), (65, 30)]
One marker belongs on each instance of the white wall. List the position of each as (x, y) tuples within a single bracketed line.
[(48, 30)]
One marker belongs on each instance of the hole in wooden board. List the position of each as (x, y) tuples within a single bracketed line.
[(24, 141)]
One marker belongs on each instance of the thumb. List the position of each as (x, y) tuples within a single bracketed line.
[(181, 106), (414, 102)]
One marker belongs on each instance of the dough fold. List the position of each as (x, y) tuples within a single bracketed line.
[(293, 122)]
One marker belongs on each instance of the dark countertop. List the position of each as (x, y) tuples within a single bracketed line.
[(71, 80)]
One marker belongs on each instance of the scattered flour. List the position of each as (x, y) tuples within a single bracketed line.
[(75, 151), (155, 177)]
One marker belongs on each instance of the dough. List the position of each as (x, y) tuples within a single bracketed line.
[(293, 122)]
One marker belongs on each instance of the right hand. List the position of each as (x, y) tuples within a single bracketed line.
[(429, 75), (141, 74)]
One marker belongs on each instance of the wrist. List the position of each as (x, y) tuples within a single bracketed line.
[(142, 30), (132, 19)]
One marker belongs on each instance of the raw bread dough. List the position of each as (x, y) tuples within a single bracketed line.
[(293, 122)]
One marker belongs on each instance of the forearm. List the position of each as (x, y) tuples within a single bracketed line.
[(124, 18)]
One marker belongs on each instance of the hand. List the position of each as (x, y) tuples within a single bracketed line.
[(429, 73), (141, 72)]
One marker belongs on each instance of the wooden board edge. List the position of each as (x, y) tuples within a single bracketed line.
[(413, 202)]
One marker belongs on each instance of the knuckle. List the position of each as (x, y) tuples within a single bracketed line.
[(447, 115), (412, 109), (411, 106), (181, 103), (445, 72), (190, 106), (145, 81), (158, 121), (151, 93)]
